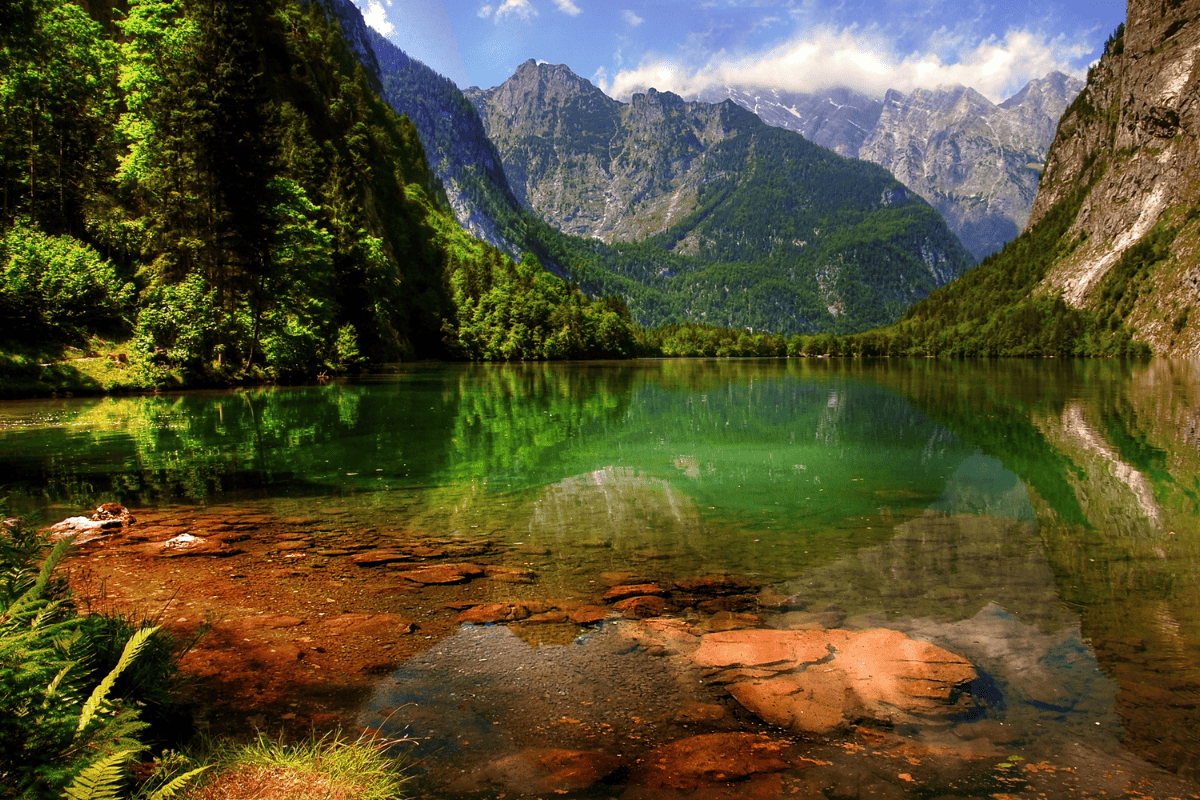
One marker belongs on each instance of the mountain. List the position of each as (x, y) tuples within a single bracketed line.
[(1133, 138), (780, 233), (840, 119), (457, 146), (1107, 264), (976, 162)]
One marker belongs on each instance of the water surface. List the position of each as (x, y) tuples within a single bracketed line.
[(1042, 518)]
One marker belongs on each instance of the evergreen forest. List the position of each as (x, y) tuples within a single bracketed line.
[(218, 186)]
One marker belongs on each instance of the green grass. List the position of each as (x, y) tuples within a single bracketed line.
[(331, 767), (40, 370)]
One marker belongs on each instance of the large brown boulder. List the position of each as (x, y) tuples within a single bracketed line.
[(814, 681)]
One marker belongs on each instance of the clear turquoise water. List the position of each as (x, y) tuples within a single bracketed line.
[(1055, 504)]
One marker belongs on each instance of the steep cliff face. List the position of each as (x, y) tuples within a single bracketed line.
[(356, 34), (1132, 136), (976, 162), (457, 146)]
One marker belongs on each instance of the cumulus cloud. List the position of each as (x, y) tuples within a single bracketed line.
[(375, 15), (631, 19), (863, 59), (510, 8), (568, 7)]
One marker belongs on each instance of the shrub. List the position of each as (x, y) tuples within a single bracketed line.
[(57, 285)]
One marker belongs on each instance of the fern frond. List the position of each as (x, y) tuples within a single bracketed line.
[(168, 791), (100, 780), (50, 563), (52, 689), (100, 693)]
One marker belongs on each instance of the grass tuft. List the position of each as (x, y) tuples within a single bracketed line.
[(331, 767)]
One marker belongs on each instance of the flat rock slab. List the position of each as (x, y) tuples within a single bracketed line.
[(542, 771), (377, 558), (820, 681), (367, 625), (587, 614), (494, 612), (717, 585), (510, 574), (638, 590), (642, 607), (442, 573), (714, 757), (185, 544)]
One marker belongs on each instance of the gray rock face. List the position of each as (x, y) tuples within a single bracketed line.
[(455, 143), (595, 167), (1132, 140), (840, 119), (976, 162)]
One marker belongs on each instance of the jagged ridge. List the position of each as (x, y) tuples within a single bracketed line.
[(976, 162)]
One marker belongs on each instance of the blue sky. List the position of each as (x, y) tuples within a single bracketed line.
[(994, 46)]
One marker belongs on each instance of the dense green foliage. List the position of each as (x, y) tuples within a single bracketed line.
[(222, 182), (508, 312), (58, 286), (69, 716)]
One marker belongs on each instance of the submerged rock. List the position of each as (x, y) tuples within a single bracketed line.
[(442, 573), (642, 607), (510, 574), (688, 763), (717, 585), (543, 771), (494, 612), (638, 590), (376, 558), (367, 625), (185, 544), (820, 681)]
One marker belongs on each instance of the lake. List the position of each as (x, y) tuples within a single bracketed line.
[(1040, 518)]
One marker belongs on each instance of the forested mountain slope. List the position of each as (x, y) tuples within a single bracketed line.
[(223, 183), (1110, 256), (779, 234), (975, 161)]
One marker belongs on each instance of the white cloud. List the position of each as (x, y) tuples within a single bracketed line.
[(631, 19), (864, 60), (375, 15), (518, 8), (568, 7)]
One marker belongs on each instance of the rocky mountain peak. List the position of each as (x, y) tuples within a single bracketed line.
[(976, 162), (1056, 90)]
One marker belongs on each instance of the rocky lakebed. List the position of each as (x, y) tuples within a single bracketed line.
[(495, 681)]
